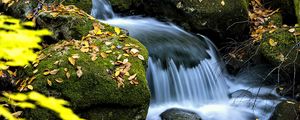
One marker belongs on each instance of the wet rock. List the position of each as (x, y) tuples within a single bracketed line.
[(286, 110), (209, 17), (179, 114), (241, 93)]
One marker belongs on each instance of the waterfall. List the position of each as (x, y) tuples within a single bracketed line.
[(185, 70)]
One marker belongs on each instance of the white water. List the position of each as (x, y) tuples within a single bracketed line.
[(186, 72)]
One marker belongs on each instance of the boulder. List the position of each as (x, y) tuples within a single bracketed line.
[(98, 69), (286, 110), (297, 9), (179, 114), (280, 47), (226, 19)]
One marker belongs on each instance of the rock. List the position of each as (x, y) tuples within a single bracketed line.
[(241, 94), (286, 110), (65, 26), (84, 70), (283, 50), (179, 114), (204, 16), (85, 5), (297, 9)]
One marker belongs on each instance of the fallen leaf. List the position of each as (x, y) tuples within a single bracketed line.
[(292, 30), (272, 42), (56, 62), (71, 60), (108, 43), (79, 72), (30, 87), (49, 82), (35, 71), (54, 72), (134, 51), (94, 57), (117, 30), (68, 75), (117, 73), (223, 2), (103, 55), (17, 114), (84, 49), (281, 57), (46, 73), (54, 14), (132, 77), (59, 80), (75, 56), (108, 51), (141, 57)]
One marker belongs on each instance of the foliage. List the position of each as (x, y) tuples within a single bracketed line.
[(17, 43), (32, 99), (17, 46)]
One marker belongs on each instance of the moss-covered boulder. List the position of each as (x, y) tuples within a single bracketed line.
[(281, 48), (103, 76), (227, 18), (85, 5), (297, 9), (65, 26), (286, 110)]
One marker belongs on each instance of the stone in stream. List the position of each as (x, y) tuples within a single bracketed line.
[(286, 110), (179, 114)]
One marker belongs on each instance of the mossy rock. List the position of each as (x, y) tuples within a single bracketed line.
[(96, 88), (286, 110), (284, 49), (228, 20), (69, 26), (85, 5), (297, 9)]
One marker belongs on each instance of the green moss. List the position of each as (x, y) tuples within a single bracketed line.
[(286, 45), (286, 110), (96, 86), (276, 19), (297, 9), (85, 5)]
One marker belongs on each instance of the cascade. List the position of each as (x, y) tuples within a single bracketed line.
[(185, 71)]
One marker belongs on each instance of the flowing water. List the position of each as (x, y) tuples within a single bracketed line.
[(185, 71)]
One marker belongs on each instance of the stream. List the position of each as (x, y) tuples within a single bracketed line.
[(185, 71)]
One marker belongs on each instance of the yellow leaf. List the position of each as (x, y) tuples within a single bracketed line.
[(272, 42), (103, 55), (108, 51), (117, 30), (94, 57), (71, 60), (49, 82), (46, 73), (75, 56), (117, 73), (30, 87)]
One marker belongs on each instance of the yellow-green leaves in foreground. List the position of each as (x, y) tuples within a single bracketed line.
[(51, 103), (17, 42)]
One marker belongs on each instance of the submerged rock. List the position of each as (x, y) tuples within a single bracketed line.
[(227, 18), (179, 114), (286, 110)]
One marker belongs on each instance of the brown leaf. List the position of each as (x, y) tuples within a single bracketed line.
[(71, 60), (79, 72), (17, 114)]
